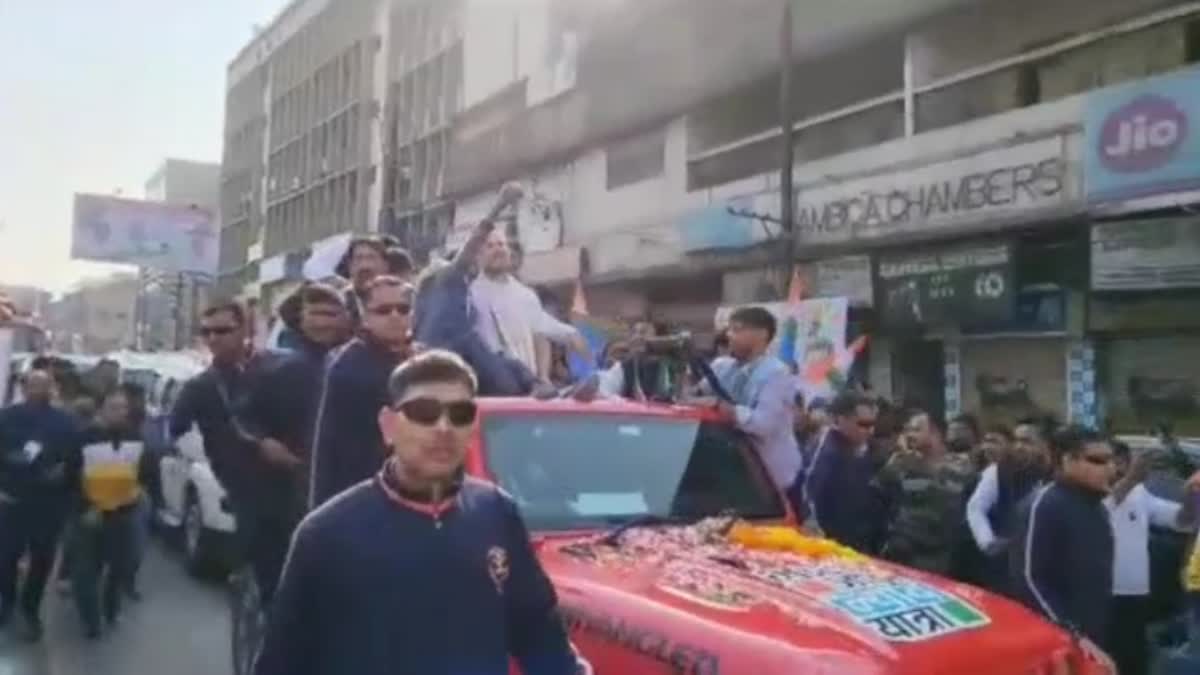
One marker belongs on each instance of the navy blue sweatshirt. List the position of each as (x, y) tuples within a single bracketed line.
[(348, 447), (839, 493), (36, 441), (1061, 559), (279, 401), (207, 401), (376, 584)]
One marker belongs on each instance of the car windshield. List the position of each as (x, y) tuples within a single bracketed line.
[(573, 471)]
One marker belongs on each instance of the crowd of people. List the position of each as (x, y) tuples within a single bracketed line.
[(350, 438)]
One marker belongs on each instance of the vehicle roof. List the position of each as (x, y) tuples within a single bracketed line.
[(488, 405)]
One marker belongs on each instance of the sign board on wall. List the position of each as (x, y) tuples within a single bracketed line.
[(963, 284), (846, 277), (1146, 254), (147, 234), (729, 224), (1143, 138), (1007, 182)]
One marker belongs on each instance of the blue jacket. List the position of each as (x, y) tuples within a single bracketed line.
[(839, 493), (348, 447), (36, 441), (1061, 560), (377, 584)]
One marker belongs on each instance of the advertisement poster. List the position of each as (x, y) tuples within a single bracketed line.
[(158, 236)]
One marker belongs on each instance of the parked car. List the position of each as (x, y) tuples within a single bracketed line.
[(195, 505), (644, 517)]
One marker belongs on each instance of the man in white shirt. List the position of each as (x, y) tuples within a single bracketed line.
[(508, 314), (1132, 511)]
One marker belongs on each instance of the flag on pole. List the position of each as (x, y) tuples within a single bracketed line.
[(579, 365), (797, 287)]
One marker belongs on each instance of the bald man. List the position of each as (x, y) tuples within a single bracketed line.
[(36, 440)]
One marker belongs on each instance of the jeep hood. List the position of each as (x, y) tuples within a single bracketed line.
[(828, 614)]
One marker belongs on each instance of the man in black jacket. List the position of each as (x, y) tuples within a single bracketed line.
[(1061, 562), (275, 415), (347, 446), (206, 402)]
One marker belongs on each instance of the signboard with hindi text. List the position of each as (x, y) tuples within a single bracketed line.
[(962, 285)]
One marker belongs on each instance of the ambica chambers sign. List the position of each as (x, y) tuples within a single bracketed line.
[(1007, 185), (1143, 139)]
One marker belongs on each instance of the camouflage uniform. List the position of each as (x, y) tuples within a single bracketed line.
[(925, 502)]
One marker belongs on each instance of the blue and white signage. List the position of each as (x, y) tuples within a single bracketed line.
[(1143, 139), (731, 224)]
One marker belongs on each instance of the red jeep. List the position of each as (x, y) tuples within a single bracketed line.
[(629, 505)]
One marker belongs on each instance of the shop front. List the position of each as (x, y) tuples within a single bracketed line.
[(1142, 159), (978, 267), (1144, 320)]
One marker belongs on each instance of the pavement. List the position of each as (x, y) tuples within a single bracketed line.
[(180, 627)]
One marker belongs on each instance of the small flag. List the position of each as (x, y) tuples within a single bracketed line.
[(579, 303), (797, 287), (819, 371)]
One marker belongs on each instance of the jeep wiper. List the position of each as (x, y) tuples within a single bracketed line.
[(613, 536)]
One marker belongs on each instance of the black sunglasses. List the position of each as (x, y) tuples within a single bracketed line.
[(427, 411), (398, 308), (1099, 460), (216, 330)]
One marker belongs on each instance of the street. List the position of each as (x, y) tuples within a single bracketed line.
[(181, 627)]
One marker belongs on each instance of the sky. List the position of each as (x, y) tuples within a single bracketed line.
[(94, 94)]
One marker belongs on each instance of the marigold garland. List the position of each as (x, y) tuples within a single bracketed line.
[(780, 538)]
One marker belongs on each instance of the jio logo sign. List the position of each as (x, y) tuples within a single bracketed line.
[(1142, 135)]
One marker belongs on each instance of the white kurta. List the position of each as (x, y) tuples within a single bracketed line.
[(508, 314)]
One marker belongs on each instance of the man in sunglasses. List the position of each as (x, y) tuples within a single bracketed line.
[(347, 446), (420, 570), (206, 402), (1061, 561), (838, 483)]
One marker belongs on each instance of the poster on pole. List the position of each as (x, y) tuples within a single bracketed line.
[(153, 235), (6, 349), (808, 332)]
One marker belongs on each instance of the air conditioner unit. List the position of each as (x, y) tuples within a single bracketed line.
[(296, 183)]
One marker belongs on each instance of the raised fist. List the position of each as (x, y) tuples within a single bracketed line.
[(512, 192)]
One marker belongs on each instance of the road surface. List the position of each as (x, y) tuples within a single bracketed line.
[(180, 627)]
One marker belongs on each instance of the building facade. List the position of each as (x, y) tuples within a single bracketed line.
[(948, 188), (95, 318), (302, 114)]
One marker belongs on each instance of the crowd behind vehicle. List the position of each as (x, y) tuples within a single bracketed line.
[(367, 395)]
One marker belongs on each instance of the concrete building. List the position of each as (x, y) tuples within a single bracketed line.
[(168, 304), (302, 113), (952, 136), (97, 317)]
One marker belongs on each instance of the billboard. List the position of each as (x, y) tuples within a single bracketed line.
[(153, 235), (1143, 138)]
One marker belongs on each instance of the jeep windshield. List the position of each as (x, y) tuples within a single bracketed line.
[(584, 471)]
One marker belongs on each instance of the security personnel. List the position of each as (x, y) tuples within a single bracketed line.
[(36, 440), (1061, 562)]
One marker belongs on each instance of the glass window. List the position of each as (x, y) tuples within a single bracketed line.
[(578, 471)]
